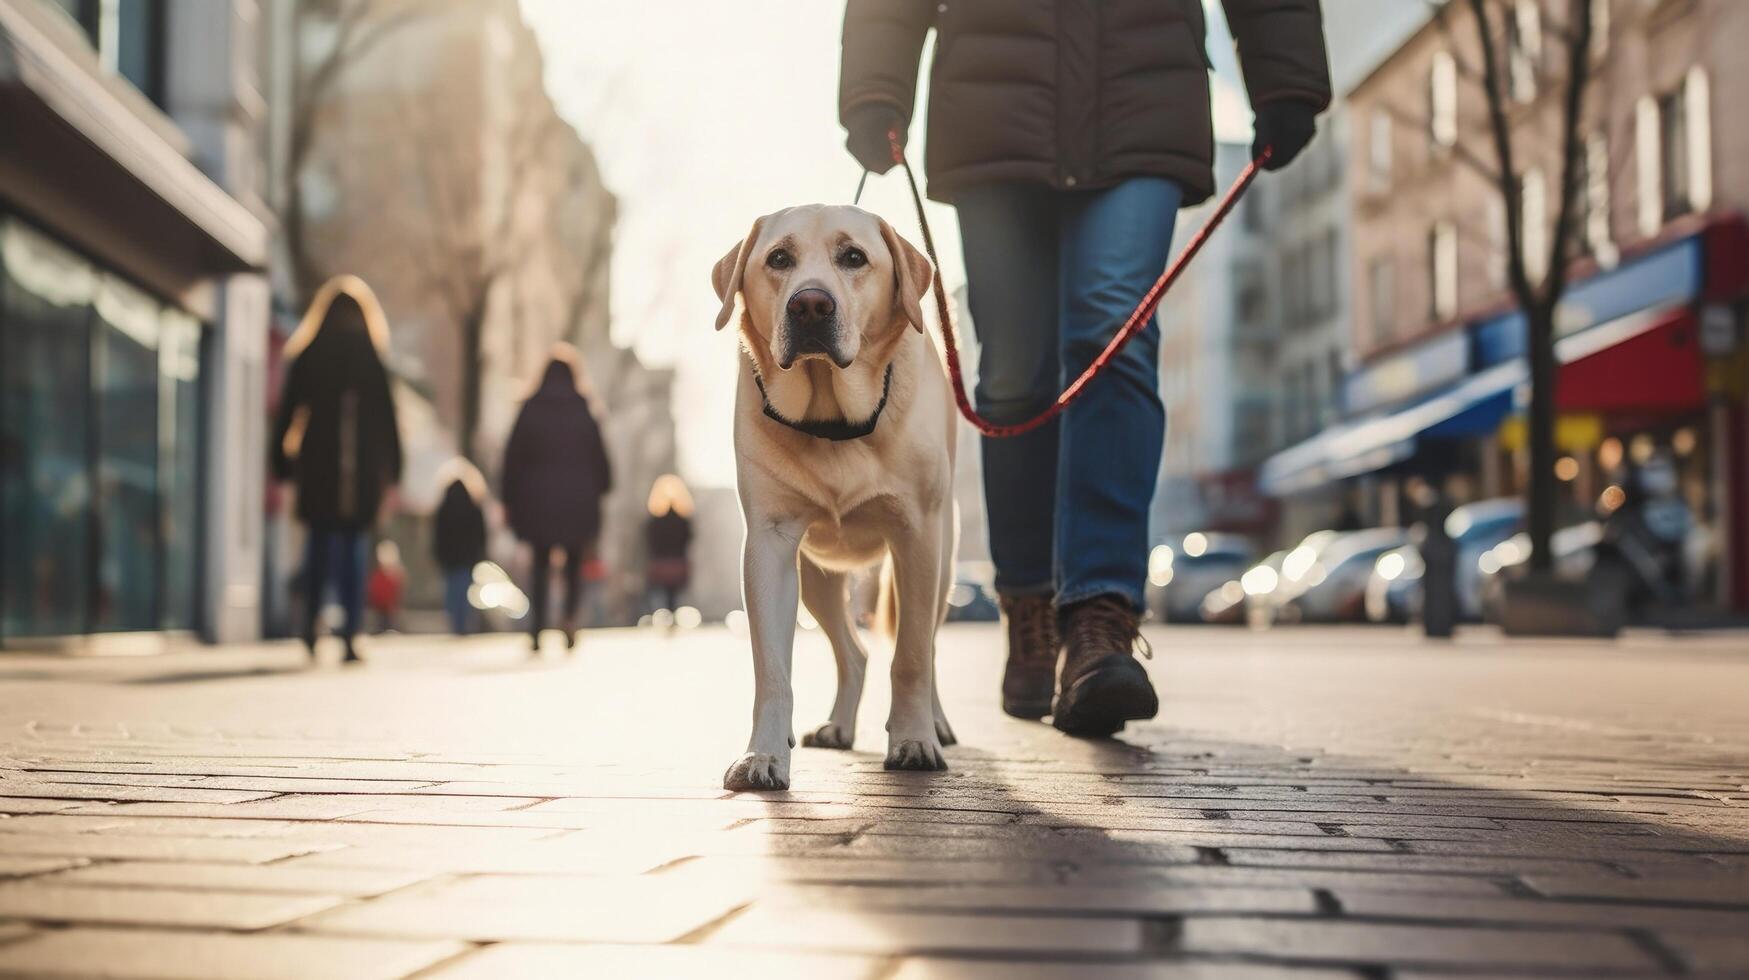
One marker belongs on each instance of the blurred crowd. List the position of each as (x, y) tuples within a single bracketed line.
[(336, 441)]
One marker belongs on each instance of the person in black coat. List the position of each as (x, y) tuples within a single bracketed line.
[(335, 436), (555, 473), (667, 536), (459, 541)]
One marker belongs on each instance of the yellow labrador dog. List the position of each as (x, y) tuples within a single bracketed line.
[(844, 445)]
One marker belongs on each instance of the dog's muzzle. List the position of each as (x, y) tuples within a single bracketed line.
[(811, 329)]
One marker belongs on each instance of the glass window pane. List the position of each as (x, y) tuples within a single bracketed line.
[(179, 440), (45, 487), (127, 458)]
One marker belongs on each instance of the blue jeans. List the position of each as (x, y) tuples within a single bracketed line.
[(455, 599), (1051, 275), (335, 557)]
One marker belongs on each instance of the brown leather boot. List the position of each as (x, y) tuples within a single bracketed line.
[(1031, 674), (1103, 685)]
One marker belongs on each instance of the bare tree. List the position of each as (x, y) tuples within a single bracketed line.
[(464, 233), (1537, 282), (355, 29)]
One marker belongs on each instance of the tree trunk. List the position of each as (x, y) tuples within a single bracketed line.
[(1540, 435)]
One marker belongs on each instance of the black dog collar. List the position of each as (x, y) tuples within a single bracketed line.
[(837, 430)]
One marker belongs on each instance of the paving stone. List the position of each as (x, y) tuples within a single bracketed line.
[(1368, 942), (151, 955), (47, 902), (18, 804), (881, 932), (519, 959), (147, 848), (547, 907), (1710, 954), (160, 794), (200, 876), (926, 968), (18, 866), (1401, 861), (1079, 899), (535, 858), (1716, 889), (1519, 911)]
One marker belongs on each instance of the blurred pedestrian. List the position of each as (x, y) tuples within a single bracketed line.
[(388, 581), (1067, 136), (459, 539), (335, 437), (555, 473), (1439, 554), (667, 538)]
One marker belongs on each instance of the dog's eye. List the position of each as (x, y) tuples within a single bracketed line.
[(779, 259), (853, 258)]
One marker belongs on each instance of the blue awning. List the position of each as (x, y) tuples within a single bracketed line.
[(1470, 407)]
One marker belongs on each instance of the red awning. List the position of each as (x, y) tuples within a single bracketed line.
[(1658, 370)]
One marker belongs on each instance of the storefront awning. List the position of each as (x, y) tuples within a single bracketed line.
[(1638, 354)]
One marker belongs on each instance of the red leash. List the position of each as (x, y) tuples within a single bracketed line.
[(1138, 318)]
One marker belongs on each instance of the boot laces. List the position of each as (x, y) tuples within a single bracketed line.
[(1108, 624), (1032, 626)]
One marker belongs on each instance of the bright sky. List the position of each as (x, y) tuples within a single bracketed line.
[(705, 116)]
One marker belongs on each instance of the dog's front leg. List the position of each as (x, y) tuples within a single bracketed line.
[(912, 739), (768, 570)]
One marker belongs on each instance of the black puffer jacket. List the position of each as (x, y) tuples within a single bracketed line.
[(336, 434), (1072, 93), (460, 538), (555, 467)]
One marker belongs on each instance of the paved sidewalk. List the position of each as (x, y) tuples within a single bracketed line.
[(1347, 803)]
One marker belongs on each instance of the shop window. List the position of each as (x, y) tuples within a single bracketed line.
[(1382, 298), (45, 445), (100, 462), (1648, 164), (1442, 101), (1378, 157), (1534, 238), (1442, 271), (128, 36), (1591, 217), (1524, 47)]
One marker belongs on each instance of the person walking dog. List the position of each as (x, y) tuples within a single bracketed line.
[(335, 436), (555, 473), (1067, 134)]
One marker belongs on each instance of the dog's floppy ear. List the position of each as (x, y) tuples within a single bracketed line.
[(911, 274), (726, 276)]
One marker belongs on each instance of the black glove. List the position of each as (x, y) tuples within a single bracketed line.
[(1285, 126), (869, 126)]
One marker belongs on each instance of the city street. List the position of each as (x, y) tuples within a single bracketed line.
[(1310, 803)]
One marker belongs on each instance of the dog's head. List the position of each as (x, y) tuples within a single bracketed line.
[(821, 282)]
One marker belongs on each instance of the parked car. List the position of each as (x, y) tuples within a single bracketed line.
[(1237, 598), (1575, 551), (1394, 593), (1333, 589), (1181, 572)]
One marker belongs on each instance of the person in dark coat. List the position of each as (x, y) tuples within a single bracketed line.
[(667, 537), (555, 473), (1067, 134), (1439, 553), (459, 540), (336, 438)]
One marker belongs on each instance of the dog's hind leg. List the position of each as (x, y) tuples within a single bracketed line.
[(827, 598), (769, 581)]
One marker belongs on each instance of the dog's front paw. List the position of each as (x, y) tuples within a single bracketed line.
[(757, 771), (944, 732), (829, 736), (915, 754)]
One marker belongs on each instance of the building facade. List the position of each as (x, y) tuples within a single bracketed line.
[(1650, 332), (133, 313)]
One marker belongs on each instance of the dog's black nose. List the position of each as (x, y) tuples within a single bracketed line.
[(811, 306)]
